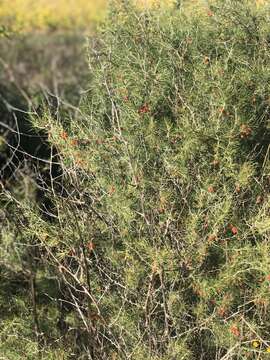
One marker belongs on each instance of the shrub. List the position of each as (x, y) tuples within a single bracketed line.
[(158, 239)]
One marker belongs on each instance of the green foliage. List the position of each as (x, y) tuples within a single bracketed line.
[(4, 31), (158, 239)]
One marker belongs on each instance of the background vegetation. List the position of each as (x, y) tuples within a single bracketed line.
[(27, 15), (137, 226)]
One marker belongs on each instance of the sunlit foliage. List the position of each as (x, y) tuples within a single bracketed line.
[(154, 244)]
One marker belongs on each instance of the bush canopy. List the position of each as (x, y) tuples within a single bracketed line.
[(155, 242)]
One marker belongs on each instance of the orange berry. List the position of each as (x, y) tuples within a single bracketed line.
[(245, 131), (212, 237), (206, 60), (99, 141), (222, 111), (215, 163), (221, 311), (234, 230), (111, 190), (79, 162), (234, 330), (90, 246), (64, 135), (144, 109), (259, 199), (74, 142), (199, 292)]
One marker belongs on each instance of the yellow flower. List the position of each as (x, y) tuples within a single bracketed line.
[(268, 350), (255, 344)]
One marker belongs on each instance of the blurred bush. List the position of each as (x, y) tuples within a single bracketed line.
[(26, 15)]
